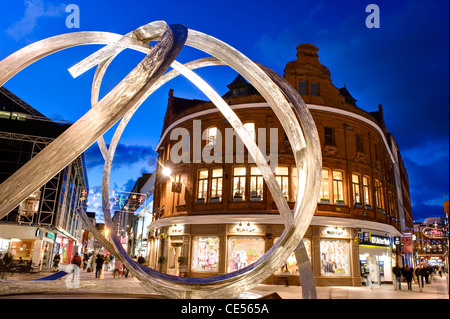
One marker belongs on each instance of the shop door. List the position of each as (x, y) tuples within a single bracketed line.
[(174, 253), (374, 270)]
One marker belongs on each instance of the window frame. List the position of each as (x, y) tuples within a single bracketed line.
[(241, 180), (204, 184), (356, 189)]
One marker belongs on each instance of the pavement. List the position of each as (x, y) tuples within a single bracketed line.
[(21, 286)]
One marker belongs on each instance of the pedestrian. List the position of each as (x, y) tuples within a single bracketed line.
[(118, 268), (99, 265), (398, 276), (56, 261), (92, 262), (408, 274), (107, 261), (440, 271), (76, 260), (423, 273), (85, 261), (141, 260), (426, 273)]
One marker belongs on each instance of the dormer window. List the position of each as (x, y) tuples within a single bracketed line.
[(303, 87), (315, 88)]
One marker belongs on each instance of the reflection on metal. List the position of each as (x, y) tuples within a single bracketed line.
[(123, 101)]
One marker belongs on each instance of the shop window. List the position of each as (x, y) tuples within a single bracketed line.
[(216, 184), (315, 88), (256, 184), (211, 136), (366, 190), (182, 198), (239, 174), (325, 186), (356, 184), (290, 267), (379, 194), (205, 254), (392, 205), (282, 177), (334, 257), (338, 186), (303, 87), (244, 251), (202, 189), (329, 136), (250, 127)]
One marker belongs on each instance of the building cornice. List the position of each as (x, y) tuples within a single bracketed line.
[(273, 219)]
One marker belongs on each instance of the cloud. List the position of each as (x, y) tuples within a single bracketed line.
[(35, 9), (125, 156), (428, 186)]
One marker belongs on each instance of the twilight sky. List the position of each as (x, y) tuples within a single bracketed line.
[(402, 65)]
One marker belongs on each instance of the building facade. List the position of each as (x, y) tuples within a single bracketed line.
[(46, 222), (217, 216)]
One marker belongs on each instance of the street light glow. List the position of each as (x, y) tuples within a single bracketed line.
[(167, 171)]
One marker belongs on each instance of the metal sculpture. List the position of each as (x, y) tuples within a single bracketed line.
[(123, 101)]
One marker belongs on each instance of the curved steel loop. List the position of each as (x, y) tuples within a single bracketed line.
[(272, 175), (70, 144), (305, 148)]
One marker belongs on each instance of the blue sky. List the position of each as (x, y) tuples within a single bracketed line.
[(402, 65)]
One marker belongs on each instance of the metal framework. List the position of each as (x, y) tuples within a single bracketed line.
[(124, 100)]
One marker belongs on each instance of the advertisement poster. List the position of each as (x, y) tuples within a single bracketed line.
[(407, 245)]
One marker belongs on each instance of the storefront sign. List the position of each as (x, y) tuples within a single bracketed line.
[(176, 229), (433, 232), (380, 240), (246, 228), (334, 231), (397, 241), (50, 235)]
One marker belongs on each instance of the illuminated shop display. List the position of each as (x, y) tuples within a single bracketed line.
[(244, 251), (334, 257), (291, 266), (205, 254)]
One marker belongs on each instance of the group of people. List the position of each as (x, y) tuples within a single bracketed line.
[(100, 262), (420, 275)]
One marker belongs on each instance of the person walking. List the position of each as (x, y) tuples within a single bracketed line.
[(118, 268), (99, 261), (56, 261), (408, 274), (76, 260), (85, 261), (398, 276), (426, 273), (107, 261)]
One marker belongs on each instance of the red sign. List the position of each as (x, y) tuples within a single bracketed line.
[(433, 232), (407, 245)]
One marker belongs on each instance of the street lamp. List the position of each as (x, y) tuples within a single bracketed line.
[(167, 171)]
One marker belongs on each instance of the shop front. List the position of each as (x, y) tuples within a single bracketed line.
[(204, 250), (63, 247), (22, 243), (376, 259)]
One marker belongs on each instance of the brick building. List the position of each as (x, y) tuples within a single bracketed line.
[(220, 217)]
